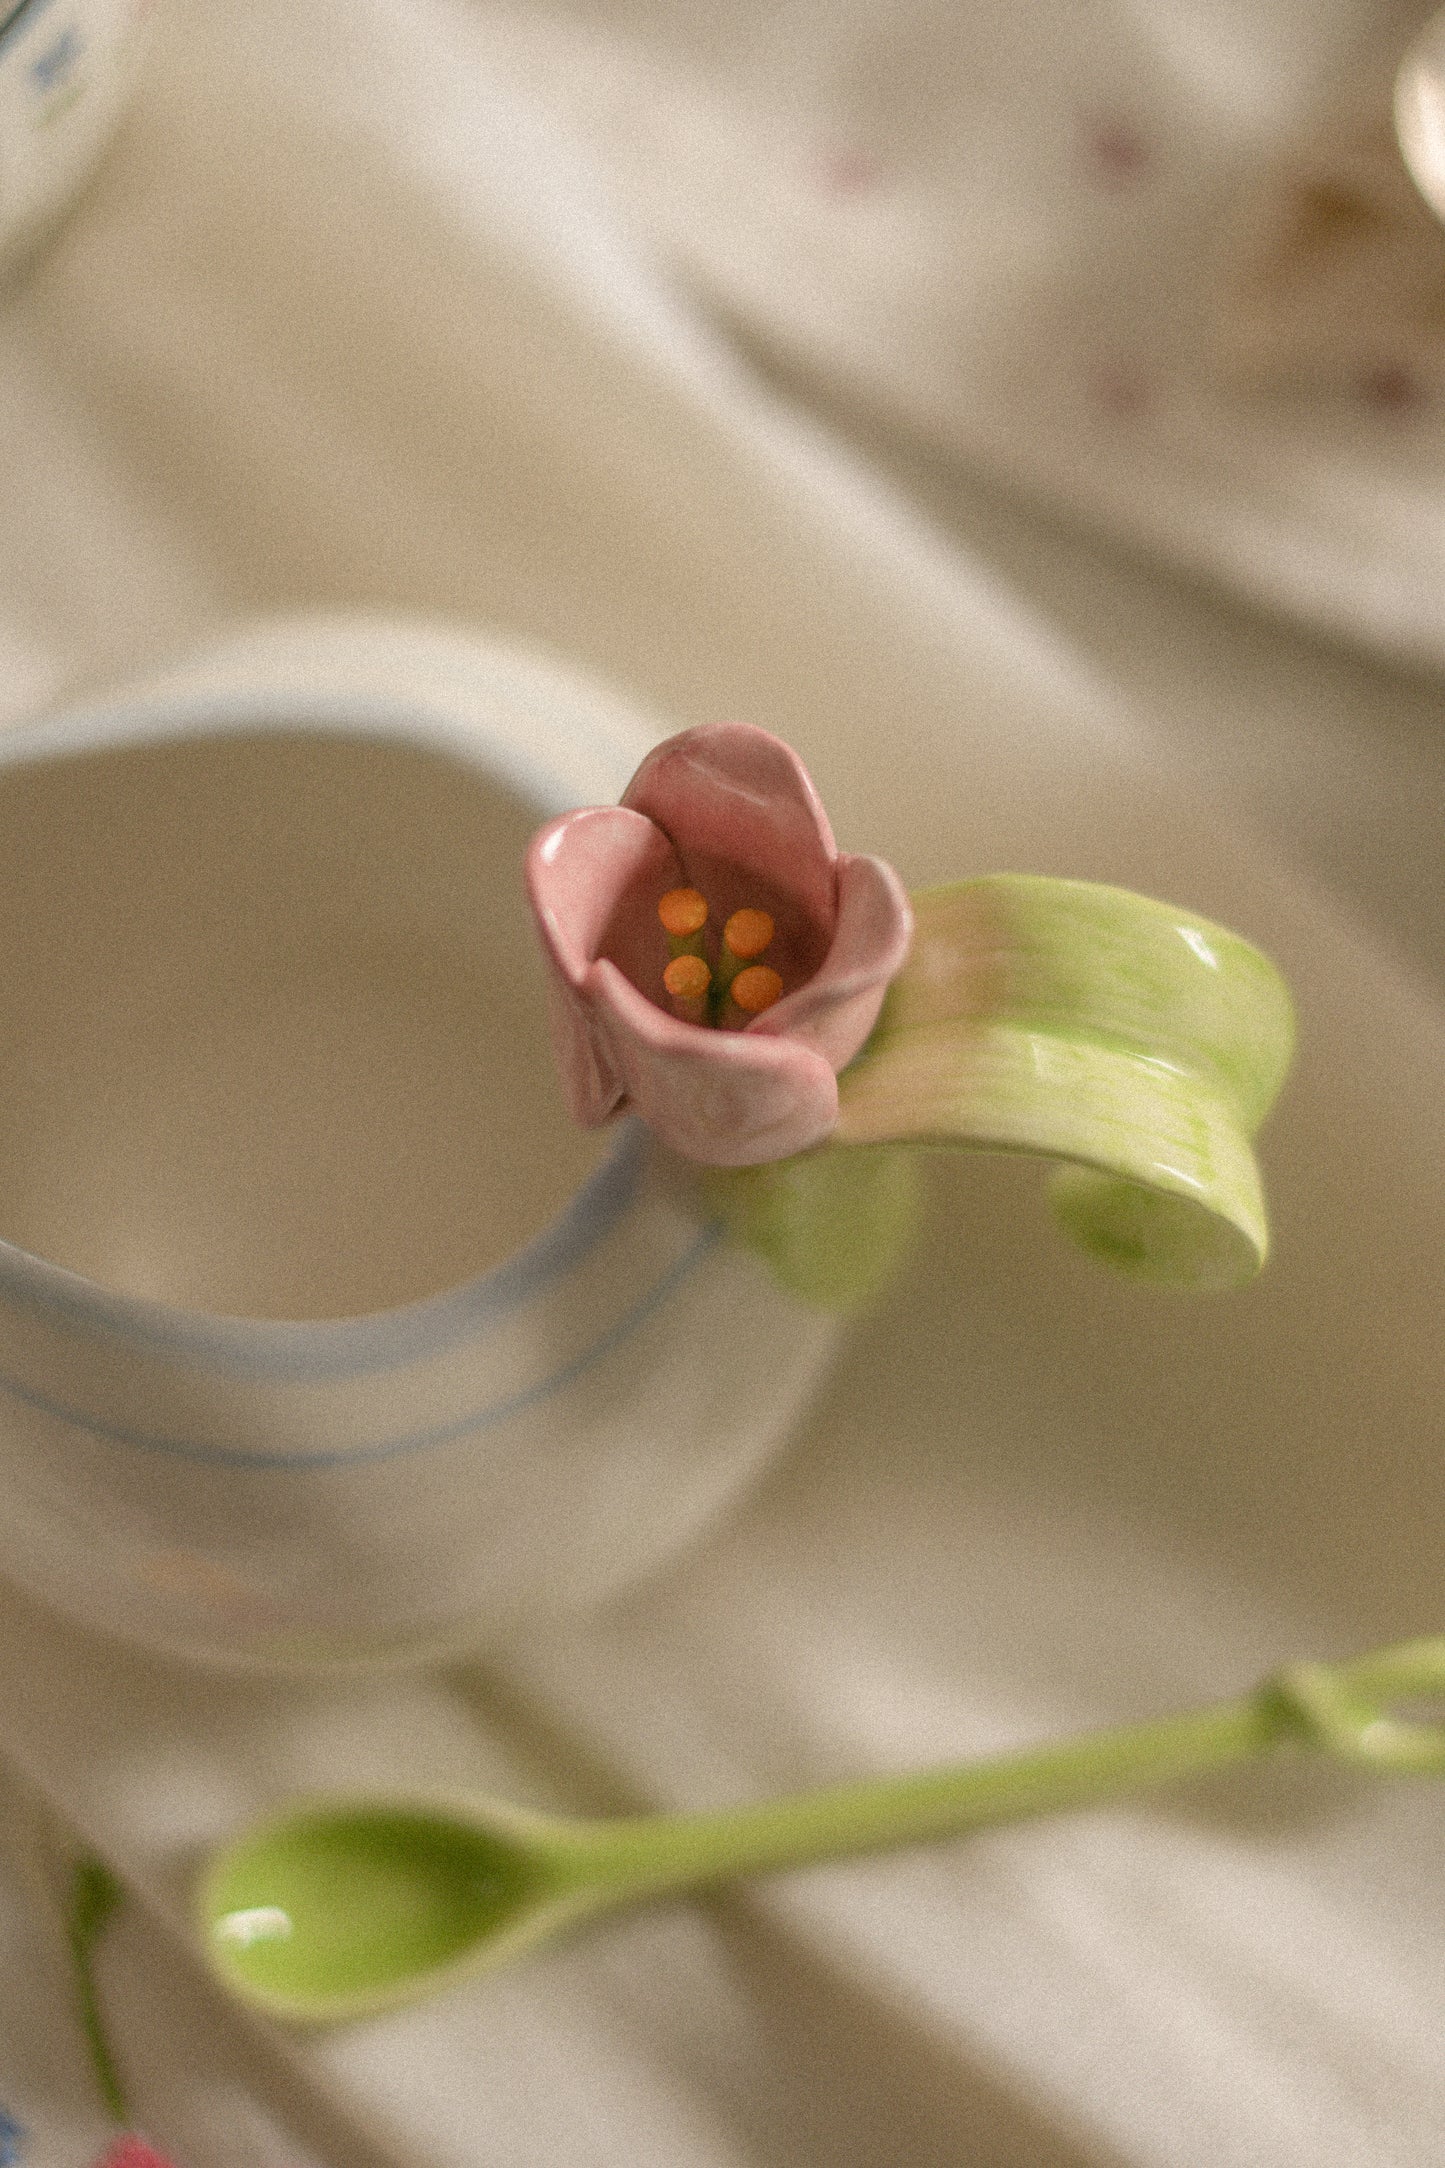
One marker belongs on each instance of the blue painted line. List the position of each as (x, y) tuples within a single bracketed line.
[(331, 1349), (418, 1441)]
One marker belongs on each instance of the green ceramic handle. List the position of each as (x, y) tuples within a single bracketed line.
[(1133, 1043)]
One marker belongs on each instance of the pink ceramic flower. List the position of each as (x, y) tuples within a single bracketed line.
[(133, 2152), (731, 812)]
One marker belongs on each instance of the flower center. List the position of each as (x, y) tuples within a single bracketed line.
[(713, 981)]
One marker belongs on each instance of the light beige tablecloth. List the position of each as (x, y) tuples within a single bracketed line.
[(1157, 266), (365, 313)]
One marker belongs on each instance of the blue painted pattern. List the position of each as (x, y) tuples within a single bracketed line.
[(345, 1348), (9, 27), (12, 2140), (417, 1441), (53, 68)]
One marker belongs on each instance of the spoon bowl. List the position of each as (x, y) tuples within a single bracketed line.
[(337, 1911)]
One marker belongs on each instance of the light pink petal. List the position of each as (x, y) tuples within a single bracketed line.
[(591, 1085), (582, 871), (722, 1098), (736, 799), (838, 1007)]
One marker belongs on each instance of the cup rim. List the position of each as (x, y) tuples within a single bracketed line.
[(406, 1332)]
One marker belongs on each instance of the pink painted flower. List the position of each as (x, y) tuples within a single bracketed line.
[(731, 812), (133, 2152)]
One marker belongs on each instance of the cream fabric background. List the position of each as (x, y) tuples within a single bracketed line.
[(378, 307)]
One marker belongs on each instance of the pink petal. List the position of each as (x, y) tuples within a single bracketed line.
[(582, 872), (591, 1085), (593, 878), (723, 1098), (838, 1007), (737, 801)]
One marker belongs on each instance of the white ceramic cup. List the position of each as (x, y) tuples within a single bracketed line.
[(66, 72), (323, 1336)]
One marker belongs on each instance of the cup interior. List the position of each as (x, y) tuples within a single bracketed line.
[(273, 1035)]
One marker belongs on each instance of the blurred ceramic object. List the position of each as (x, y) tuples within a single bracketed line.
[(66, 72), (1420, 112), (324, 1336)]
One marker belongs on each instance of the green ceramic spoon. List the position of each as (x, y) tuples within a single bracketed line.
[(342, 1909)]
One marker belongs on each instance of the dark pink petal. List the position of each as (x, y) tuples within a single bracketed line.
[(723, 1098), (746, 822), (838, 1007)]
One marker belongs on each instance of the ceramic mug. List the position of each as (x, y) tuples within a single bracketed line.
[(324, 1337), (66, 71)]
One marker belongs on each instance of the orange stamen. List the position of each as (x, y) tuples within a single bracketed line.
[(682, 911), (747, 934), (687, 978), (756, 989)]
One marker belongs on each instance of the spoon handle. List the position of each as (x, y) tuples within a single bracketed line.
[(1334, 1708)]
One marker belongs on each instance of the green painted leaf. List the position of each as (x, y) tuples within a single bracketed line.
[(1134, 1042), (834, 1226)]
